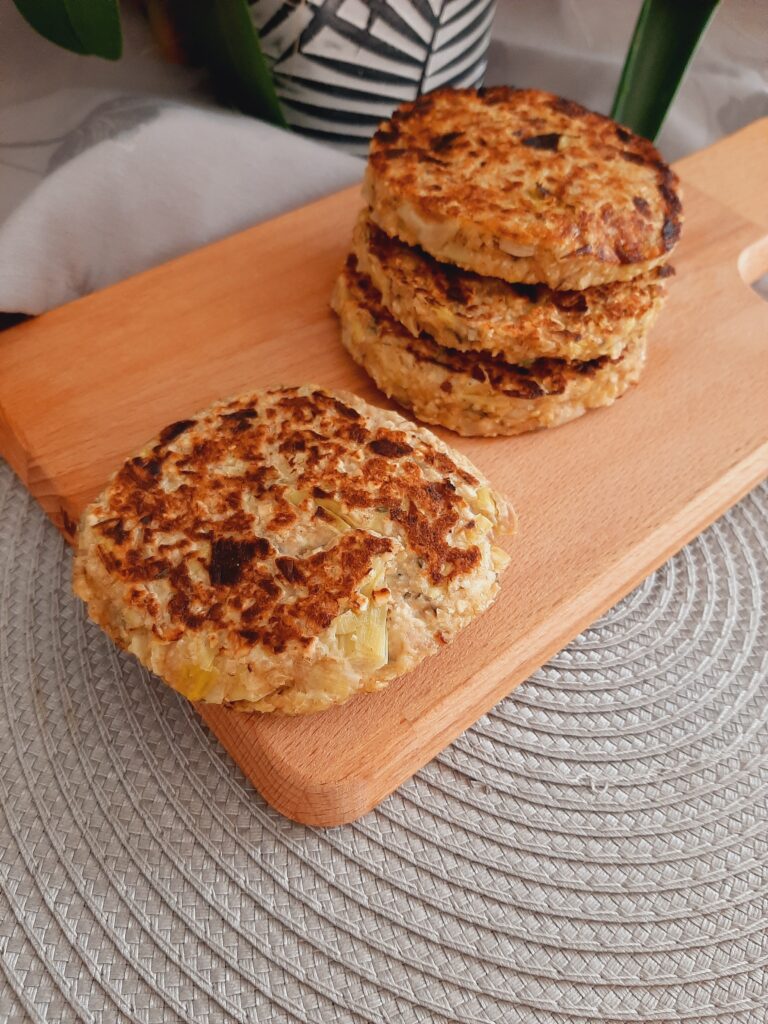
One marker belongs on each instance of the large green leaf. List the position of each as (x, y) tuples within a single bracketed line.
[(84, 26), (97, 24), (221, 35), (665, 38)]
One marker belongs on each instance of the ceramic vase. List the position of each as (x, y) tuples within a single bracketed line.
[(341, 66)]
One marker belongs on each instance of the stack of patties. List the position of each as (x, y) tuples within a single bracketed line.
[(510, 262)]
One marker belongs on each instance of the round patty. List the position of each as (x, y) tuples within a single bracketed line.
[(473, 393), (523, 185), (288, 549), (520, 322)]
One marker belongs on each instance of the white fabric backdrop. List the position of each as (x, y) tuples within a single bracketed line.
[(106, 168)]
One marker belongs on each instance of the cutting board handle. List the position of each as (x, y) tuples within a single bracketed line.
[(734, 171)]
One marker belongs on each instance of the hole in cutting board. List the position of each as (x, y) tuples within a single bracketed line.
[(753, 267), (761, 286)]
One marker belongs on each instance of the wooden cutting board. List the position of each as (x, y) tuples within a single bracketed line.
[(602, 502)]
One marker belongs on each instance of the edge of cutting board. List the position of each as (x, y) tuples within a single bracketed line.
[(321, 770)]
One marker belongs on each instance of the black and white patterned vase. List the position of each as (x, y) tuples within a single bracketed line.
[(341, 66)]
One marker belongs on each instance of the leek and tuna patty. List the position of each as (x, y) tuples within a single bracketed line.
[(474, 393), (520, 322), (523, 185), (287, 549)]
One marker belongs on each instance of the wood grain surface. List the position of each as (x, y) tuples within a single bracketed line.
[(602, 501)]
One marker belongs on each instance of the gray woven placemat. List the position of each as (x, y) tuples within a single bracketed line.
[(594, 850)]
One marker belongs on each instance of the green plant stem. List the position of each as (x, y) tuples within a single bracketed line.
[(220, 34), (665, 38)]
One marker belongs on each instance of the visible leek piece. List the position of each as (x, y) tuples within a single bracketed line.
[(483, 525), (139, 645), (484, 501), (347, 623), (499, 558), (340, 518), (665, 38), (375, 578), (363, 635), (342, 523), (195, 682), (331, 505), (375, 520), (367, 645)]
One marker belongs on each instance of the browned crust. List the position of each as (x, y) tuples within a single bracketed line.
[(480, 395), (531, 169), (520, 322), (243, 585), (544, 376)]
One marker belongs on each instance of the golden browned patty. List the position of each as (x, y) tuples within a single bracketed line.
[(520, 322), (288, 549), (473, 393), (523, 185)]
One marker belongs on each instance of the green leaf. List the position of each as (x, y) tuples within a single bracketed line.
[(665, 39), (52, 21), (221, 35), (83, 26), (97, 25)]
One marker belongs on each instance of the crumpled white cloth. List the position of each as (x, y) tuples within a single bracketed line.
[(104, 172), (140, 179)]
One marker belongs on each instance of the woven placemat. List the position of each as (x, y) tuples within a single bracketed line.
[(595, 850)]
